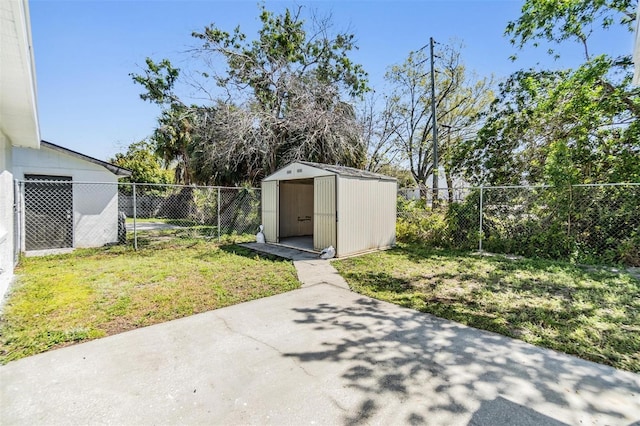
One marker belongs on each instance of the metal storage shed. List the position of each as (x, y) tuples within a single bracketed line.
[(312, 206)]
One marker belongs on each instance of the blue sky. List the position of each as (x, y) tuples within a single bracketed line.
[(85, 50)]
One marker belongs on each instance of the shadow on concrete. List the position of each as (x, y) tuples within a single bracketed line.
[(453, 370), (504, 412)]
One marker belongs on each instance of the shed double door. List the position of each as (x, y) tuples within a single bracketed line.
[(324, 212), (270, 202), (48, 220)]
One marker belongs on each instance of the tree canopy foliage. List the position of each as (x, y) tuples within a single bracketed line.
[(563, 126), (284, 98), (141, 159), (292, 92), (460, 98)]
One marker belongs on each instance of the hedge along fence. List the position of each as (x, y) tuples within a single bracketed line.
[(584, 223)]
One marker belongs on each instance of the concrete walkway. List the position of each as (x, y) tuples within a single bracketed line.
[(311, 269), (318, 355)]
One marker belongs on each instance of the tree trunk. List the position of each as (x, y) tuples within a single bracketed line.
[(447, 176)]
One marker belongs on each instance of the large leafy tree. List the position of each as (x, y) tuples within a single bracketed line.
[(582, 121), (145, 166), (379, 127), (173, 138), (286, 92), (460, 98), (563, 127)]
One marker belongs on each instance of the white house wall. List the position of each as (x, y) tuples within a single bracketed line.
[(95, 205), (18, 106), (6, 215), (366, 215)]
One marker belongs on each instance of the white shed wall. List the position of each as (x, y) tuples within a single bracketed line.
[(366, 215), (95, 206), (297, 171), (270, 211), (324, 212)]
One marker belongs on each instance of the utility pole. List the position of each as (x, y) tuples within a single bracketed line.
[(435, 130)]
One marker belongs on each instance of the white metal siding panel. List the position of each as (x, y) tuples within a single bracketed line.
[(296, 171), (324, 212), (270, 210), (367, 215)]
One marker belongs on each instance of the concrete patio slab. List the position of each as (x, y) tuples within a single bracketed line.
[(310, 268), (317, 355), (281, 251)]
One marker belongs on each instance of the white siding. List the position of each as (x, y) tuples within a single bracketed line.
[(324, 214), (270, 211), (18, 105), (6, 215), (95, 206), (353, 210), (366, 215), (297, 171)]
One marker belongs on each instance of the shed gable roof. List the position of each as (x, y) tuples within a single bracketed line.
[(307, 169), (348, 171)]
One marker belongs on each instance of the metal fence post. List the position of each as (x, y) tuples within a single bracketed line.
[(135, 229), (17, 222), (570, 211), (480, 239), (218, 214)]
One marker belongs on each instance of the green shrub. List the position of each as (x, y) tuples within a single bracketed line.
[(416, 223)]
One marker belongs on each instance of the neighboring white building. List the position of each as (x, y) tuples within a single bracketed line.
[(18, 117), (313, 206), (77, 206)]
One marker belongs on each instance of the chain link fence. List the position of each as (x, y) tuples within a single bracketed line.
[(583, 223), (58, 214), (165, 211)]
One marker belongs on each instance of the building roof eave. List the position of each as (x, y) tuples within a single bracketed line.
[(116, 170)]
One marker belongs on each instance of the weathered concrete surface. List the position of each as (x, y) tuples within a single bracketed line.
[(317, 355), (311, 269), (318, 271), (281, 251)]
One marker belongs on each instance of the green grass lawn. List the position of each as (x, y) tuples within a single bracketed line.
[(593, 313), (90, 293), (177, 222)]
